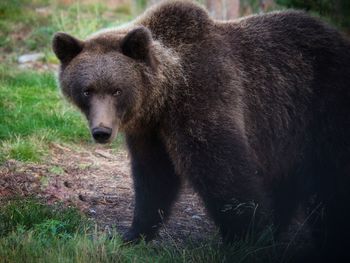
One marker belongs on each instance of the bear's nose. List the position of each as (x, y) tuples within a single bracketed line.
[(101, 134)]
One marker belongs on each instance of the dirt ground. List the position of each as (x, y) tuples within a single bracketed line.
[(97, 180)]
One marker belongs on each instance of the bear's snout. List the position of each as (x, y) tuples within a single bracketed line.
[(101, 134)]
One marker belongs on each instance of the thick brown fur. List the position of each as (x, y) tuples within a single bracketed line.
[(255, 113)]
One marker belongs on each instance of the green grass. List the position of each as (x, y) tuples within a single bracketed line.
[(30, 104), (44, 221), (33, 114), (31, 231)]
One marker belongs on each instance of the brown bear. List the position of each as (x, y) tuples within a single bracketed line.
[(255, 113)]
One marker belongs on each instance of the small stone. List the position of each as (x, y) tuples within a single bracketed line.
[(30, 57), (92, 211)]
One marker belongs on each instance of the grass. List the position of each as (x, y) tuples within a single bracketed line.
[(30, 105), (44, 221), (33, 114), (32, 231), (28, 26)]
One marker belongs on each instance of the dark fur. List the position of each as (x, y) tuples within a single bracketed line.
[(253, 112)]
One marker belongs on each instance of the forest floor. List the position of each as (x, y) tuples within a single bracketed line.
[(97, 180)]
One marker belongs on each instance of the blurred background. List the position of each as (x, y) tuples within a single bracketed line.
[(28, 25)]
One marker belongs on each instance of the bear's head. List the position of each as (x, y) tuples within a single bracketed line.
[(113, 78)]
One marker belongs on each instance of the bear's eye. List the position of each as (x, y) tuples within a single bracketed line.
[(117, 93), (87, 93)]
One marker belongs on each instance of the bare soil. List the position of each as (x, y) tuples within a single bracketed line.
[(97, 180)]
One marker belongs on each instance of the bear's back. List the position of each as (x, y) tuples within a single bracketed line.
[(177, 22), (185, 22)]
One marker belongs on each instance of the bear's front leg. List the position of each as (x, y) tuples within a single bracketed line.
[(224, 172), (155, 183)]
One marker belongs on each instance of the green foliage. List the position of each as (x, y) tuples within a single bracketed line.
[(337, 10), (306, 4)]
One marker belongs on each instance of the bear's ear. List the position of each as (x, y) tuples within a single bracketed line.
[(66, 47), (137, 44)]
